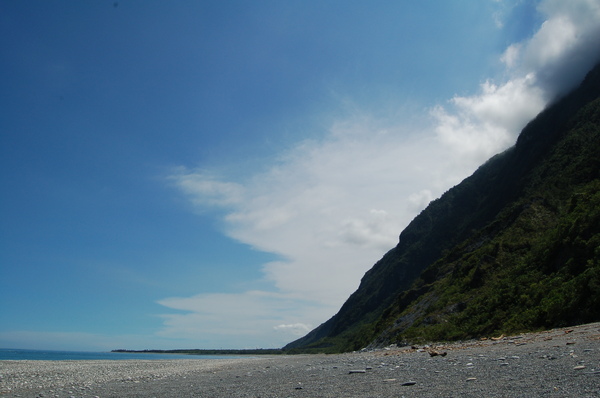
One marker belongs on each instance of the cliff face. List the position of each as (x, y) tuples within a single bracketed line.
[(513, 247)]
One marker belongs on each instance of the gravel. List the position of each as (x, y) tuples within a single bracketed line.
[(557, 363)]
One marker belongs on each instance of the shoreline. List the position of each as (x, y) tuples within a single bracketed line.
[(561, 362)]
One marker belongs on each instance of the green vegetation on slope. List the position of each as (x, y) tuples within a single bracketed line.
[(536, 266), (512, 248)]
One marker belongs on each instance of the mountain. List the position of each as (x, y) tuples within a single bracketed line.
[(514, 247)]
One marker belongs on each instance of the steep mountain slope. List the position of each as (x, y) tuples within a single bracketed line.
[(513, 247)]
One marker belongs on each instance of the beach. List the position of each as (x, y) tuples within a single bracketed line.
[(557, 363)]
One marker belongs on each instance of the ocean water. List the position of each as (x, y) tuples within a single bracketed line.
[(42, 355)]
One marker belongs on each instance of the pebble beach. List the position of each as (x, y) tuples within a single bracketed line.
[(556, 363)]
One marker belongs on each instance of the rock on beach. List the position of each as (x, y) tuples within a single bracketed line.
[(532, 365)]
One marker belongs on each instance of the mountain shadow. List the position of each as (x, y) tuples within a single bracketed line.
[(514, 247)]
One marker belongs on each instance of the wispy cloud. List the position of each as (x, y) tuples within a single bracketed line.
[(205, 189), (331, 207), (263, 319), (298, 329)]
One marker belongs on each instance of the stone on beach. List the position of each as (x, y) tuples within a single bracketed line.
[(380, 373)]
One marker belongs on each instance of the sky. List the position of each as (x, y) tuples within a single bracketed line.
[(221, 174)]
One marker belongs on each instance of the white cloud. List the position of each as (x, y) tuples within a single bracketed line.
[(511, 55), (249, 319), (378, 230), (552, 61), (297, 329), (480, 125), (564, 48), (331, 207), (419, 200), (206, 189)]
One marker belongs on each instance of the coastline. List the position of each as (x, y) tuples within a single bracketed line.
[(561, 363), (15, 354)]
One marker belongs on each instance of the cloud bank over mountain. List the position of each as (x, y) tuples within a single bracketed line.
[(329, 207)]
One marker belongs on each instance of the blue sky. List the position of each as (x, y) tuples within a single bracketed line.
[(220, 174)]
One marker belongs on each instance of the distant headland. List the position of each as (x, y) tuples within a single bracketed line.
[(255, 351)]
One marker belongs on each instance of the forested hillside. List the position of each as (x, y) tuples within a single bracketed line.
[(514, 247)]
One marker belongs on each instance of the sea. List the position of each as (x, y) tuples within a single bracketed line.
[(46, 355)]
